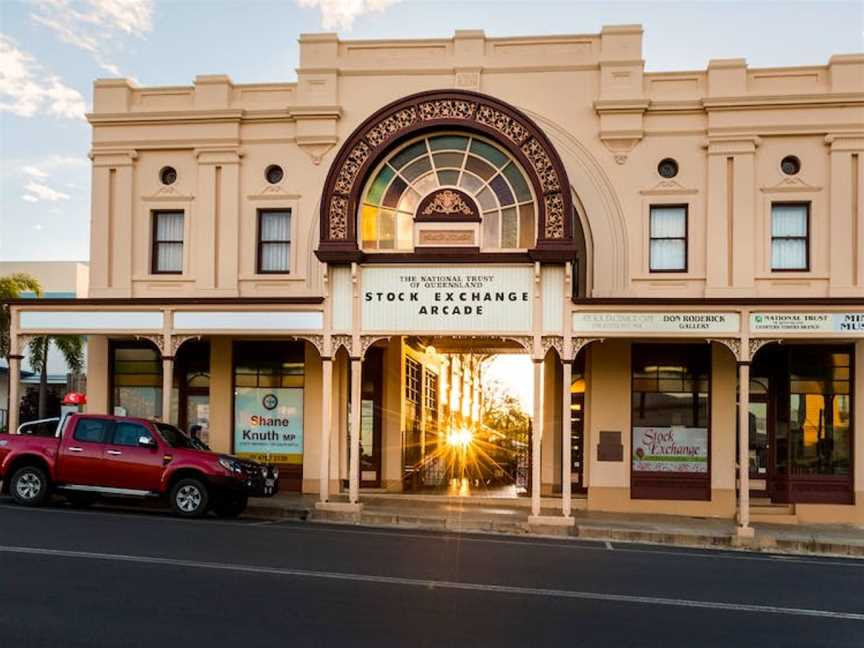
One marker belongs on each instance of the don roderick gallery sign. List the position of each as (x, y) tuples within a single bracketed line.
[(431, 299)]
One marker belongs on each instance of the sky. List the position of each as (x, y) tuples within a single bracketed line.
[(52, 50)]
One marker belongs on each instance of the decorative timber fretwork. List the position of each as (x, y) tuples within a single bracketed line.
[(580, 343), (757, 343), (525, 341), (556, 342), (731, 343), (158, 340), (367, 341), (341, 341), (460, 110), (178, 340)]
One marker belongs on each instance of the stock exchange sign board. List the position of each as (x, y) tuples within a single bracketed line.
[(433, 299)]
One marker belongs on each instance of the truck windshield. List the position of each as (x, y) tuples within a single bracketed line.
[(174, 437)]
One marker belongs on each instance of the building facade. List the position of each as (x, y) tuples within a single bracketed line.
[(681, 254)]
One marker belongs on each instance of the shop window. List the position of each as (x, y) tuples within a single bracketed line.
[(274, 241), (136, 380), (668, 238), (167, 242), (790, 236), (820, 411), (670, 419), (478, 167), (268, 404)]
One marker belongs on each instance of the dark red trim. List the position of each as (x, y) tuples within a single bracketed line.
[(345, 250)]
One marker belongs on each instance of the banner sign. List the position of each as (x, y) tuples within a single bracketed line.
[(268, 424), (433, 298), (671, 322), (844, 323), (670, 449)]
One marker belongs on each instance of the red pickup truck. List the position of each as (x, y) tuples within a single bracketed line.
[(92, 455)]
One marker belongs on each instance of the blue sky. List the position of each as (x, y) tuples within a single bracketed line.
[(51, 50)]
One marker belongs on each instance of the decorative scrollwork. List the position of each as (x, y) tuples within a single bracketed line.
[(733, 344), (580, 343), (757, 343), (178, 340), (338, 218), (158, 340), (502, 123), (556, 342), (447, 202), (388, 127), (351, 167), (543, 166), (447, 109), (554, 216), (367, 341), (525, 341), (341, 341)]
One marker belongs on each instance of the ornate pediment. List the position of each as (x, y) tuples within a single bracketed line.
[(790, 185), (667, 188), (447, 205)]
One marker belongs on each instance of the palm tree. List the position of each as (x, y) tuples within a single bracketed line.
[(72, 349), (11, 287)]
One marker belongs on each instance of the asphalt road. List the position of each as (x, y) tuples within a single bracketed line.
[(110, 577)]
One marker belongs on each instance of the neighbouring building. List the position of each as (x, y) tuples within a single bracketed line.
[(59, 280), (308, 268)]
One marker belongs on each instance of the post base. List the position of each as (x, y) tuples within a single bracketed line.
[(745, 532), (339, 507), (551, 520)]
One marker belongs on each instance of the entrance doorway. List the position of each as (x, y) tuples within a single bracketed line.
[(800, 424)]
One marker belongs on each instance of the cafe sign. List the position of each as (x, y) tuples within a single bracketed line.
[(440, 298), (645, 322), (842, 323)]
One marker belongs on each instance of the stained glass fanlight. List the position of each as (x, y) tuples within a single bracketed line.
[(475, 165)]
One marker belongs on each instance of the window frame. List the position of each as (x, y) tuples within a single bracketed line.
[(155, 242), (117, 424), (259, 242), (685, 238), (108, 430), (672, 485), (806, 204)]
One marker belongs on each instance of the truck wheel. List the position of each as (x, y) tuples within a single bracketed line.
[(29, 486), (230, 506), (189, 498)]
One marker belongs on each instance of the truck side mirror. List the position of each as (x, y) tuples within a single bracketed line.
[(146, 441)]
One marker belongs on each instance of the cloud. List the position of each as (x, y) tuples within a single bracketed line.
[(37, 191), (34, 171), (340, 14), (26, 89), (95, 26)]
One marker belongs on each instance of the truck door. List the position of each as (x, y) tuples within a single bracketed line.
[(129, 463), (82, 452)]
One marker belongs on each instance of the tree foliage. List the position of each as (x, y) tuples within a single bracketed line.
[(11, 287)]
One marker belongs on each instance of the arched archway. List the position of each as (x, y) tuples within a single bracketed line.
[(454, 110)]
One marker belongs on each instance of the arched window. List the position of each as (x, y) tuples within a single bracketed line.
[(478, 167)]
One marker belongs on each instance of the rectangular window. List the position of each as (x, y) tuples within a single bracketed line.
[(274, 241), (136, 377), (268, 405), (670, 415), (820, 411), (668, 238), (92, 430), (167, 242), (790, 236)]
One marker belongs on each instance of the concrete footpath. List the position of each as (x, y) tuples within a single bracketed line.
[(468, 515)]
